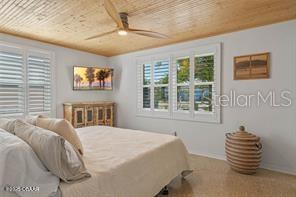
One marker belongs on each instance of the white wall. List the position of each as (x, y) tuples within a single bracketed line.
[(65, 59), (275, 126)]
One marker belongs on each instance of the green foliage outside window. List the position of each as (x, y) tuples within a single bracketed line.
[(164, 80), (161, 98), (183, 70), (204, 68)]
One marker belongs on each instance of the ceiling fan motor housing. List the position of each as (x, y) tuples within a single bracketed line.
[(124, 19)]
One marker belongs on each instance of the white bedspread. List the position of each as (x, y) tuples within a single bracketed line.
[(127, 163)]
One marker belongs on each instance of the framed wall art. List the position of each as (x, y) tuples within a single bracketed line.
[(255, 66)]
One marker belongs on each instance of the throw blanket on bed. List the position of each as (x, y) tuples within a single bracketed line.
[(127, 163)]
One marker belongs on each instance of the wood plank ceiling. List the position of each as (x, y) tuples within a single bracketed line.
[(69, 22)]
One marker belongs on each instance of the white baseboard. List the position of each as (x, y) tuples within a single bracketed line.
[(263, 165), (277, 168), (210, 155)]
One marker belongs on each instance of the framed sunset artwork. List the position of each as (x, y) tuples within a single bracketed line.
[(92, 78)]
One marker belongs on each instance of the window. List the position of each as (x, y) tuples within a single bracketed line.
[(197, 83), (203, 82), (183, 83), (194, 78), (39, 84), (153, 87), (25, 81), (11, 84), (161, 85)]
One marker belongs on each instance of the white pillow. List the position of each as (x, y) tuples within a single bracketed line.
[(7, 124), (19, 166), (54, 151)]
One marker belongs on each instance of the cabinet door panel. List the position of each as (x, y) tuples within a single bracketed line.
[(79, 117), (89, 116), (109, 115), (100, 116)]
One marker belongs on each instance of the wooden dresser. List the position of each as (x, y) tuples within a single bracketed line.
[(82, 114)]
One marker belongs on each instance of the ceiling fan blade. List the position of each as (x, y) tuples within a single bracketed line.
[(100, 35), (148, 33), (110, 8)]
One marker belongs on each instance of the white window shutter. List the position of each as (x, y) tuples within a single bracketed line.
[(12, 91), (39, 84), (139, 87), (174, 85)]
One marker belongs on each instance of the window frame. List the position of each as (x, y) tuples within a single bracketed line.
[(180, 114), (154, 85), (27, 50), (151, 112), (173, 112)]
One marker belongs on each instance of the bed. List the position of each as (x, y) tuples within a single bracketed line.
[(127, 163)]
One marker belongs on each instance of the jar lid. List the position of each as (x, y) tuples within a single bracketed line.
[(243, 135)]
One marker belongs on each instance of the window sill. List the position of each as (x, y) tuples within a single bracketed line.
[(205, 118)]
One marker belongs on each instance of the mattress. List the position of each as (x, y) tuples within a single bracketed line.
[(127, 163)]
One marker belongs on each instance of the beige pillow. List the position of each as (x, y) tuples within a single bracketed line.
[(63, 128), (7, 124), (54, 151)]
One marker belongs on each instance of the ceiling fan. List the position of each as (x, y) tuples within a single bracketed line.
[(121, 19)]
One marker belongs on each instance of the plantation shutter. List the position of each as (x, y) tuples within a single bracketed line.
[(139, 87), (174, 84), (39, 84), (12, 90)]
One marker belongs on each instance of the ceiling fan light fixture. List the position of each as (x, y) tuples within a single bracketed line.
[(122, 32)]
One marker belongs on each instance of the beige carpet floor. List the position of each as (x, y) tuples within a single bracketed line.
[(214, 178)]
